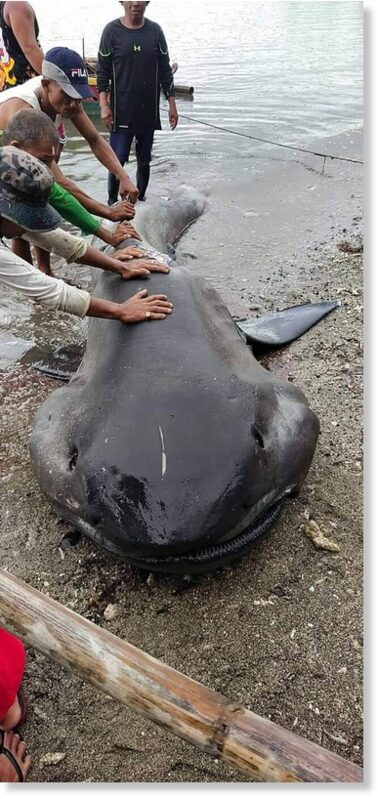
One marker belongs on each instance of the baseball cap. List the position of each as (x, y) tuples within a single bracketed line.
[(69, 71), (25, 185)]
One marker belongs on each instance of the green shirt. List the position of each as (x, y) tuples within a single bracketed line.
[(71, 210)]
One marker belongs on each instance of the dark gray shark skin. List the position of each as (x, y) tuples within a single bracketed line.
[(171, 446)]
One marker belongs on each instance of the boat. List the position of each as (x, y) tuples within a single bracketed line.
[(92, 106)]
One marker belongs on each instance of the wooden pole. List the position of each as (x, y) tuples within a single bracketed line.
[(257, 747), (182, 89)]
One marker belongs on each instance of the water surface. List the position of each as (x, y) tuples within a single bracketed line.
[(291, 72)]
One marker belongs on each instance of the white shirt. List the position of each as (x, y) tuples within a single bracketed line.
[(49, 291), (58, 241)]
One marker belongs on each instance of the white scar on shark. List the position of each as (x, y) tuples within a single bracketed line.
[(163, 455)]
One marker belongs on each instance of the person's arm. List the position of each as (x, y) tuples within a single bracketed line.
[(138, 308), (104, 153), (140, 268), (104, 76), (33, 284), (58, 295), (74, 212), (166, 80), (106, 112), (20, 18), (75, 249), (58, 241), (122, 232), (121, 211)]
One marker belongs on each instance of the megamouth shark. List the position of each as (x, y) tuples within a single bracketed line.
[(171, 446)]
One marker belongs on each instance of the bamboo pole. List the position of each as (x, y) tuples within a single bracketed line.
[(257, 747)]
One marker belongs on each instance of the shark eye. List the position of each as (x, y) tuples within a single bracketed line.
[(257, 436)]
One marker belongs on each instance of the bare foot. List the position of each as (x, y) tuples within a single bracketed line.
[(14, 762)]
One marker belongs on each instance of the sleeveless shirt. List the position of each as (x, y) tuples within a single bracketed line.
[(28, 93), (14, 67)]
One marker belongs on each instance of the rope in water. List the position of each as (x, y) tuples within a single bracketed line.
[(276, 143)]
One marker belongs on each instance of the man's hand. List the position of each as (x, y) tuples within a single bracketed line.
[(107, 116), (172, 113), (121, 211), (141, 269), (140, 308), (124, 231), (127, 189), (128, 254)]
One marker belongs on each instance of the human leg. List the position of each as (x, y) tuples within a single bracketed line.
[(120, 142), (144, 142), (43, 261), (14, 761), (22, 249)]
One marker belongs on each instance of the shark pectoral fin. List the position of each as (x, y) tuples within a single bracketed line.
[(61, 363), (283, 327)]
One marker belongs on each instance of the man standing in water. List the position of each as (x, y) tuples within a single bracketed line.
[(133, 62)]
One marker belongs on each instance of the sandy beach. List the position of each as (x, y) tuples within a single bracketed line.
[(281, 631)]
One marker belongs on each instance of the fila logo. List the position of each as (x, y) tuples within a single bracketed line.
[(79, 72), (137, 47)]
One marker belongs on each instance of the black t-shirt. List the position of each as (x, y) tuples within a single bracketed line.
[(14, 67), (135, 63)]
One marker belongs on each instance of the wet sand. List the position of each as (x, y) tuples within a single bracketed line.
[(281, 631)]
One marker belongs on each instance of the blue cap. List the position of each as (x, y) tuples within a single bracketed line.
[(68, 70)]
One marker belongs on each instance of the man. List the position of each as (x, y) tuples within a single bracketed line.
[(34, 132), (25, 185), (59, 92), (133, 62), (20, 52)]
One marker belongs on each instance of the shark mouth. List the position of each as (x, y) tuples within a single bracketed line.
[(200, 560)]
